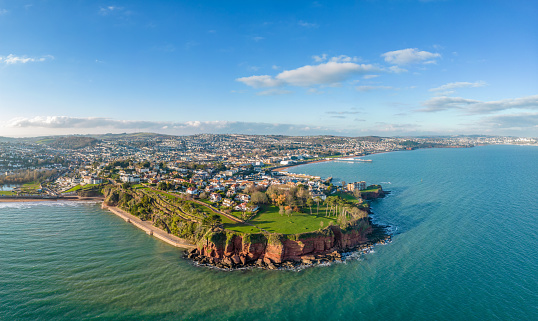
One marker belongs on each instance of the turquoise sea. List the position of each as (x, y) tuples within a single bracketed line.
[(465, 247)]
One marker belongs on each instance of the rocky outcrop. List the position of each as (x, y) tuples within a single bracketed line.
[(226, 250), (375, 192)]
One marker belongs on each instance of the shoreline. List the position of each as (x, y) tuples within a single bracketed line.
[(147, 227), (281, 169), (31, 200)]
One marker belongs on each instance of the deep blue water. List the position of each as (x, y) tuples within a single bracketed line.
[(465, 248)]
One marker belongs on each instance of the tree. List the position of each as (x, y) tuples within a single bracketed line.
[(259, 198), (288, 210), (309, 203), (317, 200), (213, 220)]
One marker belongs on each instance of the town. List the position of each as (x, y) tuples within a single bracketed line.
[(217, 168)]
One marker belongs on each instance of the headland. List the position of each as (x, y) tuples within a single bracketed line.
[(271, 238)]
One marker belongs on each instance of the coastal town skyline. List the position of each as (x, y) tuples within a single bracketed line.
[(352, 68)]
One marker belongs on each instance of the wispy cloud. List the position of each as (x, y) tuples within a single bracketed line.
[(104, 11), (391, 127), (3, 12), (459, 84), (274, 92), (307, 24), (12, 59), (371, 88), (513, 121), (410, 56), (346, 112), (320, 58), (181, 128), (327, 73), (471, 106)]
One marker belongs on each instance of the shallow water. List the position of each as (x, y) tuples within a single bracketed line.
[(465, 248)]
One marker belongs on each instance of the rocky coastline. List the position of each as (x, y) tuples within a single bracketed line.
[(284, 253)]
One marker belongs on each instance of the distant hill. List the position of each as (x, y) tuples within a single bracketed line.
[(7, 139), (132, 136), (67, 142)]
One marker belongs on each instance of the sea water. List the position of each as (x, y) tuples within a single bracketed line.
[(465, 247)]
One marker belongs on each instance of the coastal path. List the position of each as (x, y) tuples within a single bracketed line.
[(148, 227)]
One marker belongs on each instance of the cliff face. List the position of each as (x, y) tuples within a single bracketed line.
[(379, 193), (233, 250)]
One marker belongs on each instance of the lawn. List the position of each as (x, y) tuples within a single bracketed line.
[(270, 220), (73, 189), (7, 193), (238, 227), (30, 188), (82, 187), (347, 197), (371, 190)]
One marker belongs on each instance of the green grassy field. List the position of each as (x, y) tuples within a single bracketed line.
[(82, 187), (270, 220), (347, 197), (7, 193), (30, 188), (370, 190), (238, 227)]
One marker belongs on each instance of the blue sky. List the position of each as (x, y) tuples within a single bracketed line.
[(355, 68)]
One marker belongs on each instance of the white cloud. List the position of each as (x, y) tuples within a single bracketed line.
[(98, 124), (344, 58), (109, 9), (370, 76), (307, 24), (397, 70), (410, 56), (274, 92), (444, 103), (459, 84), (78, 122), (320, 58), (391, 127), (12, 59), (3, 12), (327, 73), (479, 107), (315, 91), (513, 121), (258, 38), (345, 112), (370, 88), (529, 102), (260, 81)]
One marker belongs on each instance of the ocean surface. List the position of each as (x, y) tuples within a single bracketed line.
[(465, 247)]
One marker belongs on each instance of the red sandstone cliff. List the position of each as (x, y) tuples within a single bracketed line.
[(232, 250)]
